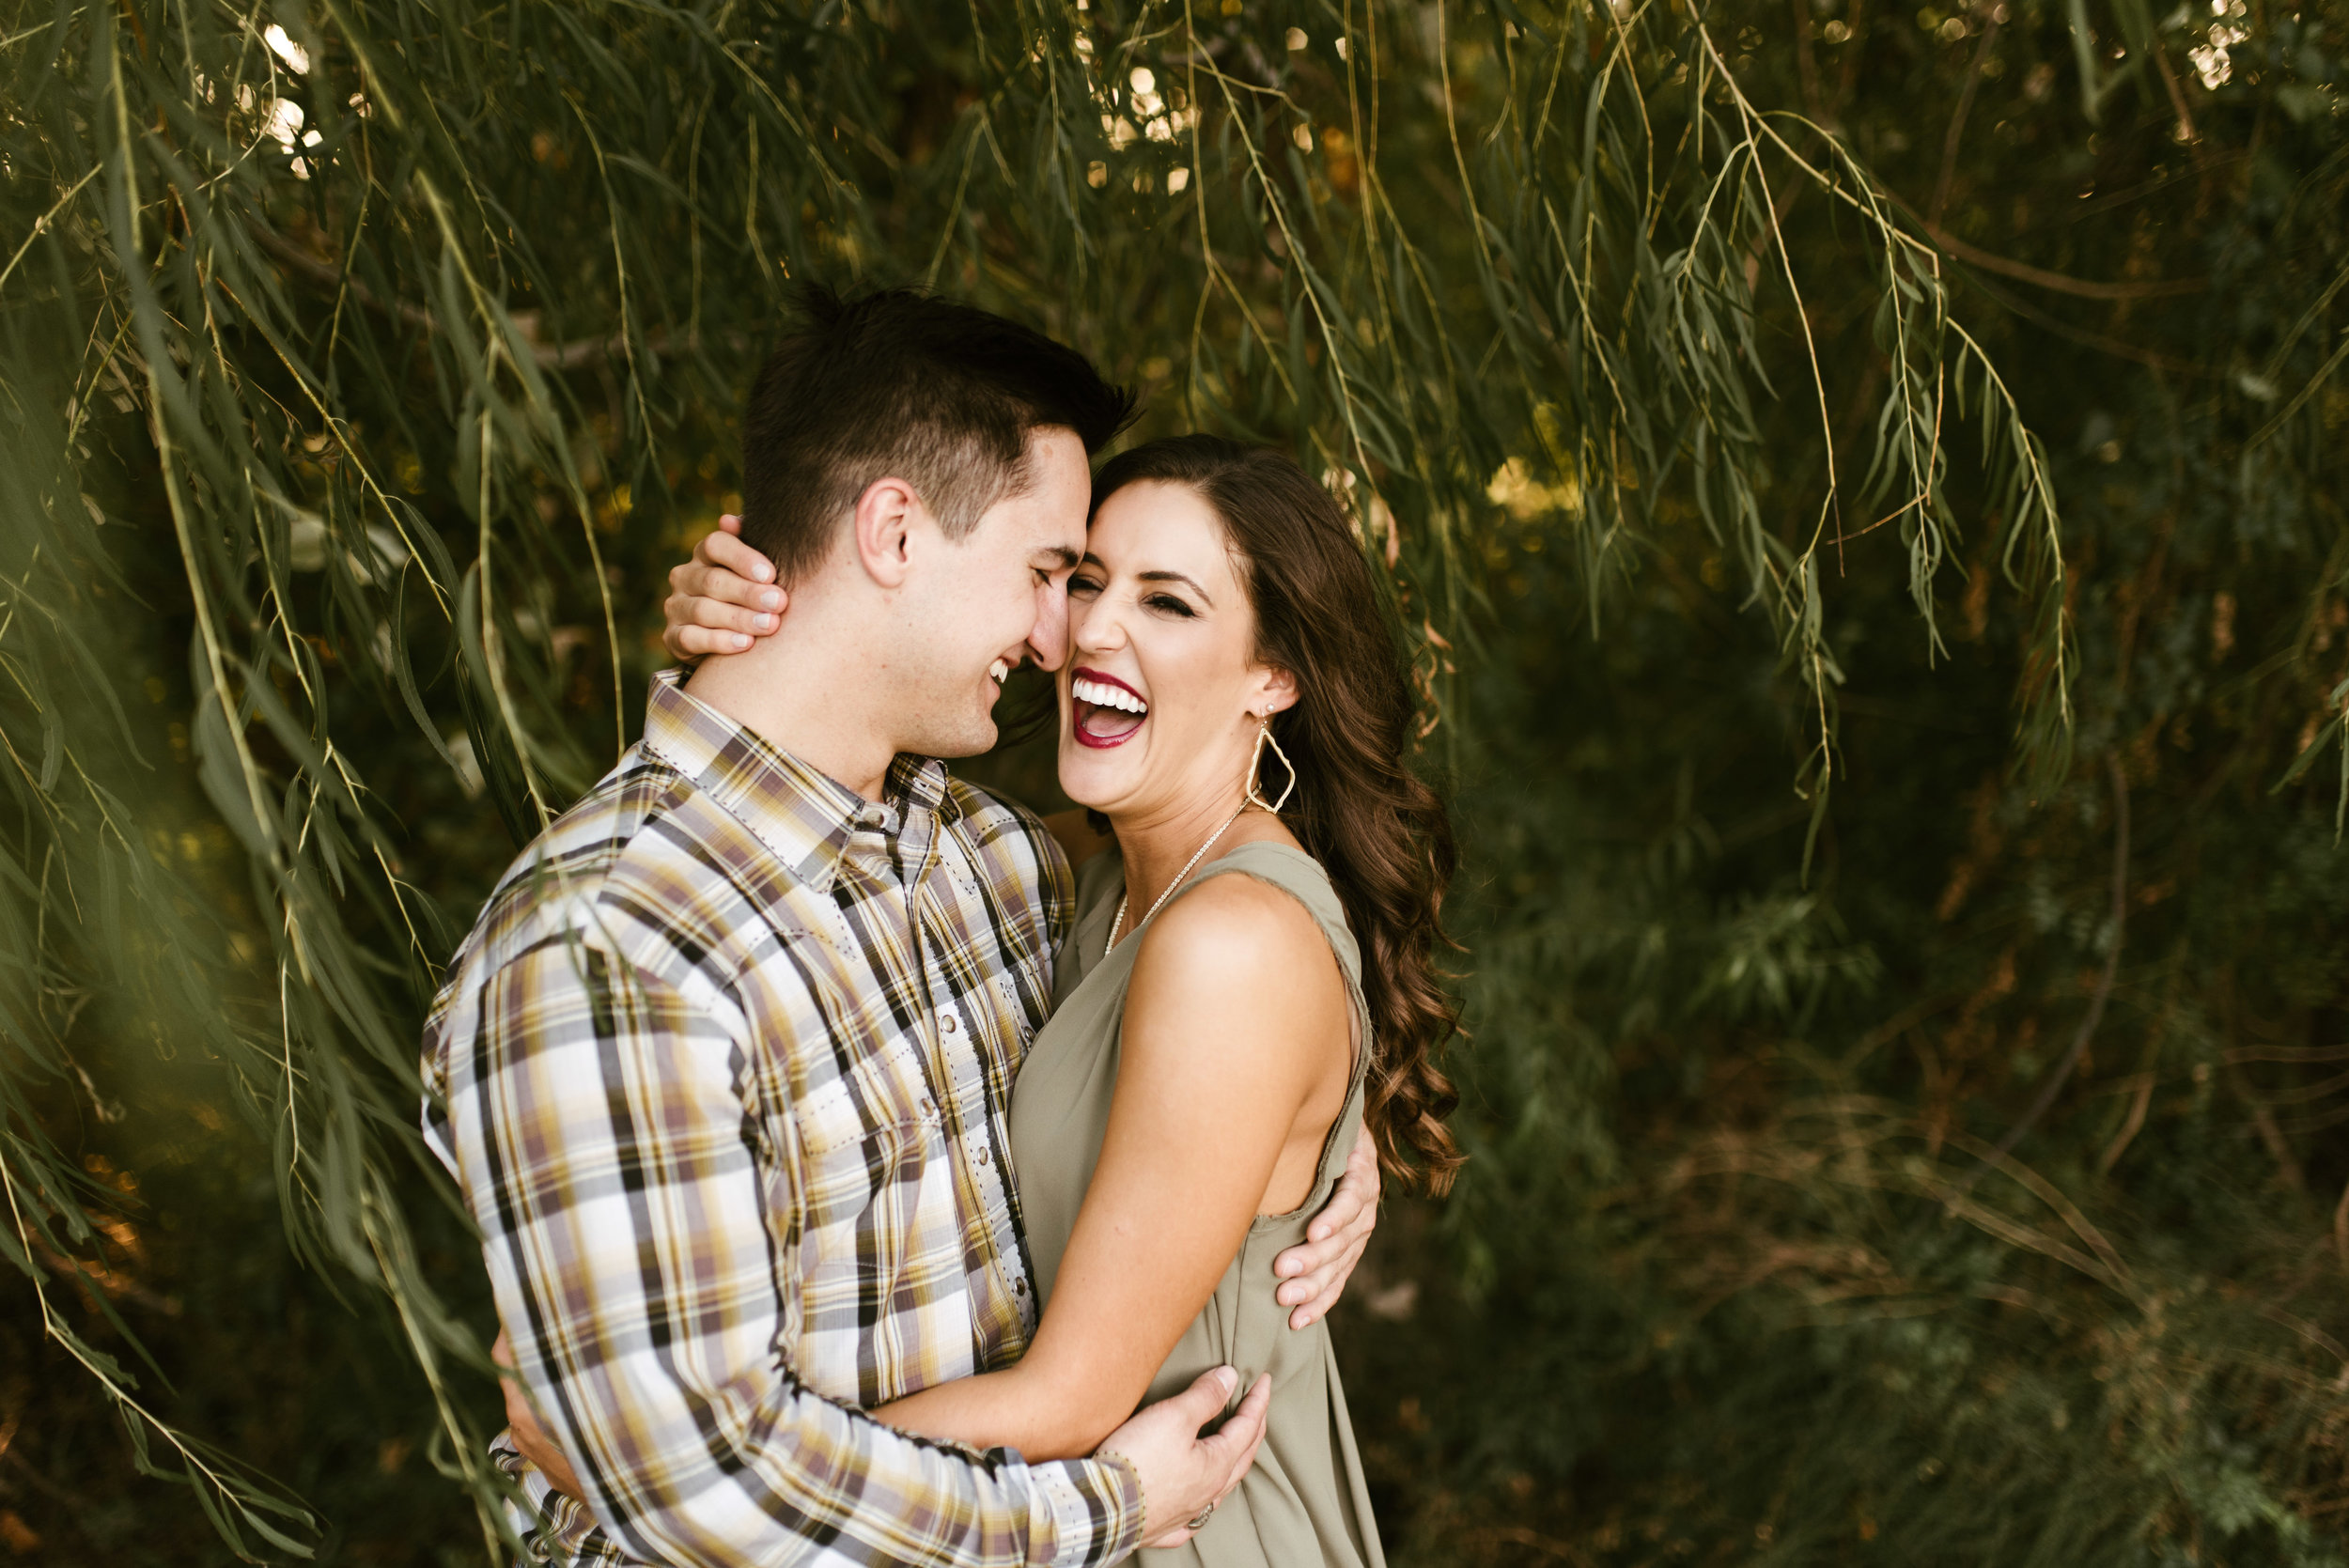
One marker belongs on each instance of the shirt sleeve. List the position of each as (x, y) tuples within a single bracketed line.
[(599, 1125)]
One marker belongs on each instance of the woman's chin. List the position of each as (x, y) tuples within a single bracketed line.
[(1095, 778)]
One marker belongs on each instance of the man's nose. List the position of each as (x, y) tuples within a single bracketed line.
[(1048, 640)]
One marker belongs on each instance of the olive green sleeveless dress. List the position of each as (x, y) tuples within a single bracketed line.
[(1304, 1501)]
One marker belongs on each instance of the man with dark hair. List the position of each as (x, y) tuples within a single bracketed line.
[(724, 1067), (939, 394)]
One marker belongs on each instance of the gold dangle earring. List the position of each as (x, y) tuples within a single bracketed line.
[(1255, 762)]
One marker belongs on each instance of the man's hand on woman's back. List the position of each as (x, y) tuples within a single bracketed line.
[(1314, 1272)]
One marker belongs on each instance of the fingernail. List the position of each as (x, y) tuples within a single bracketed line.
[(764, 623), (1229, 1378), (770, 599), (740, 642)]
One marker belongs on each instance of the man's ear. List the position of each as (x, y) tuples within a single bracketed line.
[(883, 530), (1278, 691)]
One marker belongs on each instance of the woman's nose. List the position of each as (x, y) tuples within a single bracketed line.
[(1096, 627)]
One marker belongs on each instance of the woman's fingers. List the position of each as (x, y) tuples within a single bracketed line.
[(689, 642), (723, 598), (721, 586), (699, 625), (531, 1440), (724, 547), (693, 605)]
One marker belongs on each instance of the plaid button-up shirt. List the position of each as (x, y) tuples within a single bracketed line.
[(722, 1071)]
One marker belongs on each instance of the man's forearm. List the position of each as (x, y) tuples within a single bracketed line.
[(826, 1484)]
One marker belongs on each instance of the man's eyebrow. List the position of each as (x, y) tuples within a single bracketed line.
[(1063, 557)]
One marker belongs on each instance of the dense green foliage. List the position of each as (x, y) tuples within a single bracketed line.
[(1864, 489)]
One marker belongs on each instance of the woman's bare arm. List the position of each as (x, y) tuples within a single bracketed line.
[(1234, 1061)]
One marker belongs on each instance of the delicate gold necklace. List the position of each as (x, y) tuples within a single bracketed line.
[(1171, 887)]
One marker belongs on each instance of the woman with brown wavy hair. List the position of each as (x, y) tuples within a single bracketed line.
[(1250, 986)]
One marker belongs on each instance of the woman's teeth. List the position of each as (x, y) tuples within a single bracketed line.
[(1102, 694), (998, 671)]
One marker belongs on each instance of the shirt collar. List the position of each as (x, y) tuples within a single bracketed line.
[(804, 816)]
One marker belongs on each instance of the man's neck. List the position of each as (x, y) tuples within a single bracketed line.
[(808, 690)]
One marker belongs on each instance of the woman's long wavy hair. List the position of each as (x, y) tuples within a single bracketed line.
[(1377, 828)]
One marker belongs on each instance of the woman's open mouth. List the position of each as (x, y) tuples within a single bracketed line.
[(1104, 710)]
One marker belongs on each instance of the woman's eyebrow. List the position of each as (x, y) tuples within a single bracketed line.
[(1176, 577), (1093, 560)]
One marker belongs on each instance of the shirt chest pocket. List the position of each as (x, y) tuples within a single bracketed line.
[(864, 1129)]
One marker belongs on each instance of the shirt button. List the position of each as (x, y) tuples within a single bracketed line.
[(1019, 1287), (983, 1155), (948, 1023)]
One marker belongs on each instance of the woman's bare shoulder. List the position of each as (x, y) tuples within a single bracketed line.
[(1233, 928), (1236, 999)]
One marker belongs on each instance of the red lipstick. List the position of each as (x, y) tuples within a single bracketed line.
[(1102, 725)]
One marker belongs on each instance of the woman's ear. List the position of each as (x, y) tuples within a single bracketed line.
[(1276, 690)]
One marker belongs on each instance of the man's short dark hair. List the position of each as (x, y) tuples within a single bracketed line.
[(902, 385)]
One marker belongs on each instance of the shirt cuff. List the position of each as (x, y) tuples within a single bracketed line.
[(1084, 1512), (554, 1528)]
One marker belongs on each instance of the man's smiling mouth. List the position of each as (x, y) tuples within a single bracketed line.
[(1104, 710)]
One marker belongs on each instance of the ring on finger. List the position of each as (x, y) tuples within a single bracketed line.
[(1199, 1519)]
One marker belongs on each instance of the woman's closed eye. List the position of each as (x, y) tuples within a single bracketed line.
[(1083, 586), (1167, 604)]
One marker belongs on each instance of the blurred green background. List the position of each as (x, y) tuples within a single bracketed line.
[(1862, 487)]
